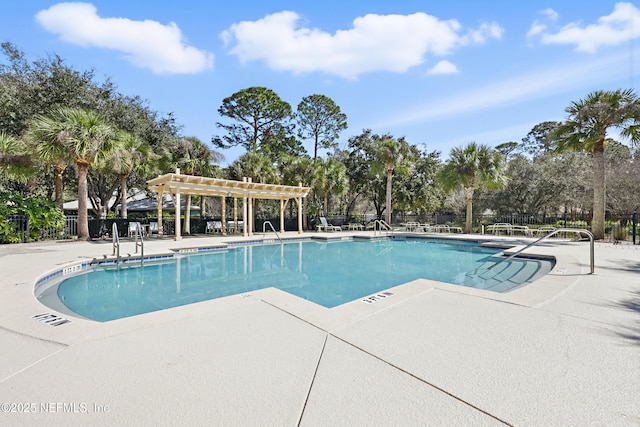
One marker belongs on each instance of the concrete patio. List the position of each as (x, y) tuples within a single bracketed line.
[(564, 350)]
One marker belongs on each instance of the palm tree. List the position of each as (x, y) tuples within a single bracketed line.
[(82, 135), (471, 167), (193, 157), (586, 129), (330, 176), (295, 170), (14, 159), (130, 153), (389, 154), (44, 134), (255, 165)]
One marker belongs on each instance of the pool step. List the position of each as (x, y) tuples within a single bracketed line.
[(506, 275)]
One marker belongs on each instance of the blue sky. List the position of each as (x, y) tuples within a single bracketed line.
[(440, 73)]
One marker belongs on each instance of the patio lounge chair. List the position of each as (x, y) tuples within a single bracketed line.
[(213, 227), (324, 225), (153, 228), (497, 228), (133, 228), (235, 228)]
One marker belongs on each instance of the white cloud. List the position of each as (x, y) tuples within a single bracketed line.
[(486, 31), (443, 67), (146, 44), (622, 25), (551, 14), (538, 27), (391, 43)]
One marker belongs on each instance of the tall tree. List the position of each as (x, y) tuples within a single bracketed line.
[(32, 88), (390, 153), (85, 136), (418, 190), (470, 167), (319, 118), (39, 87), (586, 129), (540, 139), (279, 142), (365, 181), (258, 114)]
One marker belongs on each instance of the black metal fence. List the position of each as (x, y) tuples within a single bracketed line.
[(17, 228), (617, 228)]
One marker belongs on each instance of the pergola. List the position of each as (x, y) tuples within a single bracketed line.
[(177, 184)]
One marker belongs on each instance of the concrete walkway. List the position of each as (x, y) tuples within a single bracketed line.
[(564, 350)]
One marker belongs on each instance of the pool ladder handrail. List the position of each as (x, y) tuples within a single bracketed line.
[(116, 242), (551, 233), (379, 224), (138, 234), (264, 230)]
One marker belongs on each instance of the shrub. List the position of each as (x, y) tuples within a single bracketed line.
[(42, 213)]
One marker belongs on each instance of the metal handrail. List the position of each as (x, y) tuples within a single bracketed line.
[(116, 242), (381, 223), (264, 230), (556, 231), (138, 233)]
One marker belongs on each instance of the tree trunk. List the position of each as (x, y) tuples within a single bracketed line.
[(83, 218), (315, 148), (59, 170), (597, 223), (468, 194), (123, 189), (326, 203), (388, 200)]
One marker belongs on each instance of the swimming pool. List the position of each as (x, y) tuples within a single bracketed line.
[(328, 273)]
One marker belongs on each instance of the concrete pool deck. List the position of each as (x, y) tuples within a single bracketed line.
[(564, 350)]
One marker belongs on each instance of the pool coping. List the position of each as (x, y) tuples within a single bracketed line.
[(535, 293)]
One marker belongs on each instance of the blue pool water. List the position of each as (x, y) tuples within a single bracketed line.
[(326, 273)]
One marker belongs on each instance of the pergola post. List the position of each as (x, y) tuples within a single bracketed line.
[(282, 215), (160, 200), (178, 236), (299, 200), (178, 214), (224, 215), (235, 215), (244, 211), (249, 224)]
